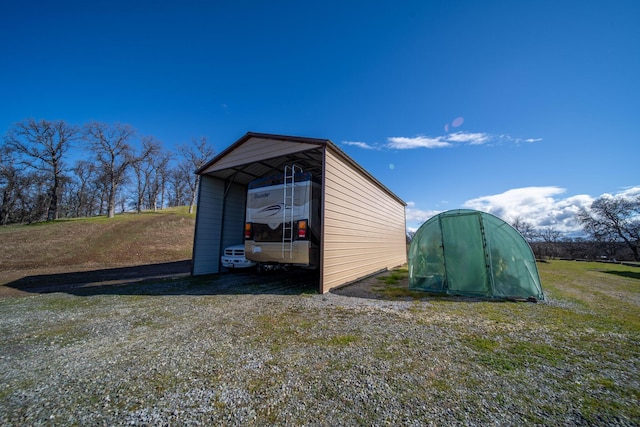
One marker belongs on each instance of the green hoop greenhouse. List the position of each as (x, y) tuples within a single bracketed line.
[(475, 254)]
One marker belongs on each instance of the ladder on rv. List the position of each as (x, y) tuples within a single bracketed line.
[(287, 211)]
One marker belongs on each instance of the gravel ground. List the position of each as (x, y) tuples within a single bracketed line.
[(267, 352)]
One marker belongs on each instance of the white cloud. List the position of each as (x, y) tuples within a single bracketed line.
[(451, 139), (542, 207), (404, 143), (627, 193), (539, 206), (418, 216), (471, 138), (527, 196), (360, 144)]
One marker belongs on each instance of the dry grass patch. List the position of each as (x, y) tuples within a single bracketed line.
[(90, 243)]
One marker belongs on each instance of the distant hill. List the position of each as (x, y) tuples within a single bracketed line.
[(93, 243)]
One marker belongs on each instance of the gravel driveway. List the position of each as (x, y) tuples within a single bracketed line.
[(238, 350)]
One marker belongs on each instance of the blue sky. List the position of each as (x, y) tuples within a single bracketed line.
[(523, 109)]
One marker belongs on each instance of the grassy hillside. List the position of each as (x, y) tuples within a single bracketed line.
[(78, 244)]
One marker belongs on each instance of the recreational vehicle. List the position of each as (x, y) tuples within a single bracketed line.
[(282, 226)]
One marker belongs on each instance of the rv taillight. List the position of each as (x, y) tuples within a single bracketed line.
[(302, 229), (248, 231)]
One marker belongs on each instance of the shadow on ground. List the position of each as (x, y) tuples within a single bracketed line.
[(627, 274), (172, 278)]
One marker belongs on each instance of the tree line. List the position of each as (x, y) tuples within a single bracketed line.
[(116, 169), (611, 227)]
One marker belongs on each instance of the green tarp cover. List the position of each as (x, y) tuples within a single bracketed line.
[(472, 253)]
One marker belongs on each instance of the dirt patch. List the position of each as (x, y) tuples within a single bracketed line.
[(365, 288)]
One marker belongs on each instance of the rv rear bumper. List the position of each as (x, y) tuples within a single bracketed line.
[(273, 252)]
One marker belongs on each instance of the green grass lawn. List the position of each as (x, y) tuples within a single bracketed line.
[(587, 333)]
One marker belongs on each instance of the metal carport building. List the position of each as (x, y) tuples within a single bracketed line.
[(363, 222)]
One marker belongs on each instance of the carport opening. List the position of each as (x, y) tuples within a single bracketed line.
[(309, 162)]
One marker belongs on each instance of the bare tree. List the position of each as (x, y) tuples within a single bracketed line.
[(20, 191), (42, 146), (151, 167), (194, 157), (178, 184), (159, 179), (550, 237), (9, 177), (158, 189), (110, 146), (614, 219), (525, 228), (86, 188), (143, 169), (28, 198)]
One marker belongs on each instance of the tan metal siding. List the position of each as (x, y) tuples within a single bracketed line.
[(257, 149), (363, 229)]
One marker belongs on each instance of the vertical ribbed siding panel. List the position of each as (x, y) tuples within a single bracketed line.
[(364, 227), (234, 215), (208, 232)]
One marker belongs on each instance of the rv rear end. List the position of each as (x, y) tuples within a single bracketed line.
[(283, 221)]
